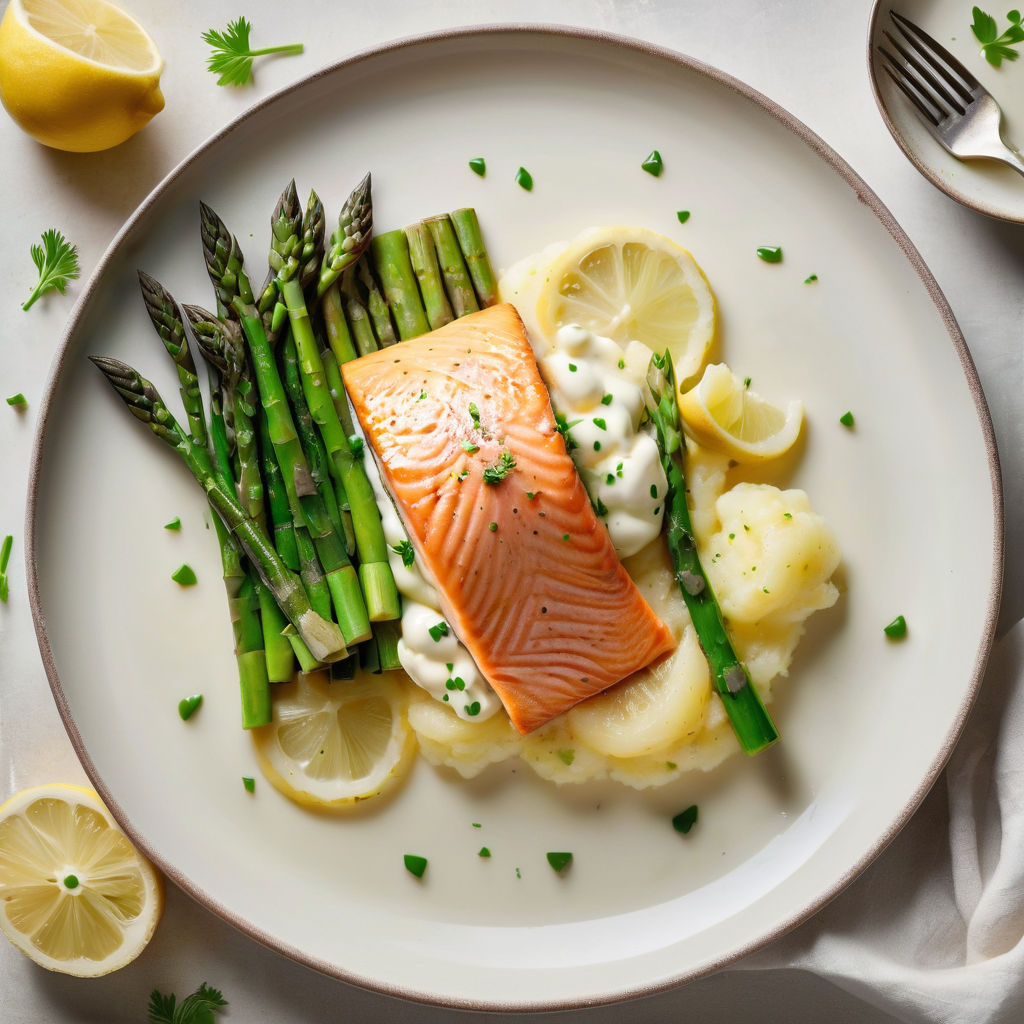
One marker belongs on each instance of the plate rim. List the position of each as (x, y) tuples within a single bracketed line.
[(926, 171), (863, 193)]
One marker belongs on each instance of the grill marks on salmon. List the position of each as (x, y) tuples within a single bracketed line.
[(526, 573)]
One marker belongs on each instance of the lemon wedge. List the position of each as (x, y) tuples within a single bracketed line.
[(333, 743), (632, 284), (75, 895), (723, 414), (77, 75)]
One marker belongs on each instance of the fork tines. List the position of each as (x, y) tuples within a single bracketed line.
[(931, 77)]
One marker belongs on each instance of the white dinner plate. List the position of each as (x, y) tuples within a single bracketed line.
[(983, 185), (912, 492)]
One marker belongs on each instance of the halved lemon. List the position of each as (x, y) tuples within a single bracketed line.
[(333, 743), (723, 414), (75, 894), (632, 284), (77, 75)]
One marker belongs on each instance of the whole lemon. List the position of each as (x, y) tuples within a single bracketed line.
[(79, 76)]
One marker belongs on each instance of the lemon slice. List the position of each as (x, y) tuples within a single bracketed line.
[(75, 895), (631, 284), (333, 743), (723, 414), (77, 75)]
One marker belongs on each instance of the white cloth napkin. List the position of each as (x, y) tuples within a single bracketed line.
[(933, 931)]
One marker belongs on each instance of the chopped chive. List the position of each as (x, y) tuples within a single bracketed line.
[(610, 479), (560, 861), (622, 364), (654, 490), (5, 556), (653, 163), (473, 709), (249, 783), (519, 873), (531, 495), (567, 756), (71, 882), (897, 628), (671, 766), (421, 396), (573, 367), (524, 179), (600, 423), (187, 706), (468, 446), (174, 524), (438, 632), (597, 446), (682, 216), (184, 575), (810, 278), (475, 824), (19, 401), (565, 536), (746, 382), (606, 399), (770, 253), (415, 864), (483, 852), (846, 419), (685, 820), (787, 515), (478, 165), (406, 550), (493, 527)]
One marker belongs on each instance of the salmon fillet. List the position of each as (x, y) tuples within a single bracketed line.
[(526, 573)]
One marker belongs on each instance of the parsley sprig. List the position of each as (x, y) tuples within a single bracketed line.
[(197, 1008), (501, 469), (232, 55), (57, 262), (996, 47)]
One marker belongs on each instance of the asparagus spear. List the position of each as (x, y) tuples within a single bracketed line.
[(471, 242), (358, 315), (393, 265), (293, 250), (234, 294), (423, 256), (750, 720), (245, 620), (144, 402), (457, 281), (350, 237)]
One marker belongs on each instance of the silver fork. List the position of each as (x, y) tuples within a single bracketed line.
[(955, 107)]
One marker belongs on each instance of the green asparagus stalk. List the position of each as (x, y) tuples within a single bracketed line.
[(391, 261), (750, 720), (234, 293), (350, 238), (339, 336), (358, 315), (376, 305), (471, 242), (143, 400), (292, 250), (423, 257), (457, 281)]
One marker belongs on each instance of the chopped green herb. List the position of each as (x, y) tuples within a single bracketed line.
[(249, 783), (524, 179), (356, 446), (565, 536), (184, 575), (438, 632), (671, 766), (600, 508), (846, 419), (787, 515), (531, 495), (606, 399), (560, 861), (600, 423), (685, 820), (483, 852), (565, 428), (573, 367), (71, 881), (174, 524), (468, 446), (519, 873), (622, 364), (187, 706), (475, 824), (56, 261), (5, 557), (610, 479), (493, 527), (501, 469), (597, 446), (415, 864), (197, 1008), (770, 253), (406, 550), (473, 709), (19, 401), (478, 165), (810, 279), (474, 415), (746, 382), (232, 55), (682, 216), (567, 756), (653, 163), (654, 490), (897, 628), (995, 47), (421, 396)]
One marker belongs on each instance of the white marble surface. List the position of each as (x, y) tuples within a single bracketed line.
[(808, 56)]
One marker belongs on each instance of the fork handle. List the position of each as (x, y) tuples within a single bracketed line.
[(1012, 159)]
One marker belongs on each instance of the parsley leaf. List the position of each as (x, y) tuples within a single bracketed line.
[(57, 262), (406, 550), (197, 1008), (232, 56), (501, 469), (997, 47)]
